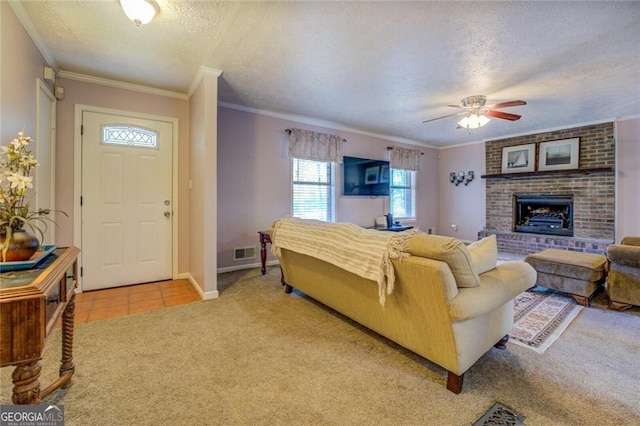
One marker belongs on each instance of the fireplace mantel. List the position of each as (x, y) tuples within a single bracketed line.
[(554, 173)]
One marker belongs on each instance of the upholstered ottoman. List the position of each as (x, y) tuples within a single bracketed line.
[(579, 274)]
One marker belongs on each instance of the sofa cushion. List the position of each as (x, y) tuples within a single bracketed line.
[(499, 286), (484, 253), (449, 250)]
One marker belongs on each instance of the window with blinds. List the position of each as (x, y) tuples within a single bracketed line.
[(313, 190), (402, 194)]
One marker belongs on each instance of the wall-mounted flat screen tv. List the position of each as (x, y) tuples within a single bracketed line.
[(365, 177)]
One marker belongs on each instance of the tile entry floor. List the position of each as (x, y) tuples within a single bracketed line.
[(114, 302)]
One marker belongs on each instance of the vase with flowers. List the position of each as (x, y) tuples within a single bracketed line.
[(19, 225)]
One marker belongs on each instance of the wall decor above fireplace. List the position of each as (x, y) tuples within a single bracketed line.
[(518, 159), (559, 155)]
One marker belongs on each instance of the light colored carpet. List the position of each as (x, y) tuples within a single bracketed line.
[(257, 356), (540, 317)]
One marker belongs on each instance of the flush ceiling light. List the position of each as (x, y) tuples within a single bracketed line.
[(139, 11), (473, 121)]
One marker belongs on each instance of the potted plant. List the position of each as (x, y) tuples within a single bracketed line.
[(18, 223)]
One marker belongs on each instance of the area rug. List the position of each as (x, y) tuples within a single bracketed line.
[(540, 317)]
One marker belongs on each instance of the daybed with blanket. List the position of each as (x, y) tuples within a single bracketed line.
[(431, 294)]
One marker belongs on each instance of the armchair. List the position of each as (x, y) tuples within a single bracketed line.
[(623, 282)]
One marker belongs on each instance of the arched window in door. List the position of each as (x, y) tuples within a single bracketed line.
[(138, 137)]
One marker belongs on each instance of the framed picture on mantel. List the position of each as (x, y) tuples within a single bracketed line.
[(559, 155), (519, 158)]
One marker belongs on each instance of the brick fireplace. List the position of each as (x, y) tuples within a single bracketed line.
[(589, 190)]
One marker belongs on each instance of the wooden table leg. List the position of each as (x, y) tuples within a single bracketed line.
[(66, 366), (264, 239), (263, 257), (26, 383)]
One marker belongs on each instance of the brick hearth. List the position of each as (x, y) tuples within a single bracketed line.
[(593, 194), (518, 242)]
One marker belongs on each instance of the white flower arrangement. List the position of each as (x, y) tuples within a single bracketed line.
[(16, 163)]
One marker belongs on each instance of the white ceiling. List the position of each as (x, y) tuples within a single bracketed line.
[(379, 67)]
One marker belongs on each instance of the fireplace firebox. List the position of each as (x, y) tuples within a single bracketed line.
[(543, 214)]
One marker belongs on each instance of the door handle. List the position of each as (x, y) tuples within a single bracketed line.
[(167, 214)]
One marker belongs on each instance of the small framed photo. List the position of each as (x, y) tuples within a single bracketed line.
[(384, 174), (371, 175), (559, 155), (519, 158)]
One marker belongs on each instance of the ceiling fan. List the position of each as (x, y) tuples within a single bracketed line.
[(476, 112)]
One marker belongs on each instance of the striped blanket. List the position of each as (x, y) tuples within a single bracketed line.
[(364, 252)]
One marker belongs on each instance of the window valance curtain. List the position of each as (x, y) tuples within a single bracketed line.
[(308, 145), (405, 159)]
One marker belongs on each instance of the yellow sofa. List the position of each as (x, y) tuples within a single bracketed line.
[(428, 311)]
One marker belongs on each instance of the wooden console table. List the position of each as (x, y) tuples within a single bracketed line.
[(31, 303)]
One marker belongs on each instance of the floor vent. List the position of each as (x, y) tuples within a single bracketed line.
[(243, 253), (500, 415)]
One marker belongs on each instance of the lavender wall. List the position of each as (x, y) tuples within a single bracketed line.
[(203, 229), (462, 205), (254, 180), (21, 65), (628, 178)]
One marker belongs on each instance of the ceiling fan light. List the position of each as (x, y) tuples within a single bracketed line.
[(483, 119), (139, 11), (473, 121), (464, 123)]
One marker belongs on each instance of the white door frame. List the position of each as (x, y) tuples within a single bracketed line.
[(41, 180), (77, 180)]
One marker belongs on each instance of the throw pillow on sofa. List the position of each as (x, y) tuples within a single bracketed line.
[(449, 250), (484, 253)]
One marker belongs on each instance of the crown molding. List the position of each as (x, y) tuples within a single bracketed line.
[(202, 72), (121, 85), (553, 129), (460, 144), (628, 117), (322, 123), (23, 17)]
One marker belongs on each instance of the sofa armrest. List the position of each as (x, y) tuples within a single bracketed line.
[(624, 254), (497, 287), (631, 241)]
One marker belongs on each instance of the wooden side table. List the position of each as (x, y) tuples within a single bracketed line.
[(264, 239), (31, 303)]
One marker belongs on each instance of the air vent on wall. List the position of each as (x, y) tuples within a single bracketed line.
[(243, 253)]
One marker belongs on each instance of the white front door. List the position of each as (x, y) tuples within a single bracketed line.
[(126, 200)]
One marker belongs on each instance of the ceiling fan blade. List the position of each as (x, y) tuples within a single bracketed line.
[(456, 106), (503, 115), (508, 104), (444, 116)]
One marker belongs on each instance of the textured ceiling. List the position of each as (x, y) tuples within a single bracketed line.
[(380, 67)]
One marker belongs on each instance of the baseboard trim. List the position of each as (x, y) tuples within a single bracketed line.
[(246, 266), (205, 296), (215, 294)]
